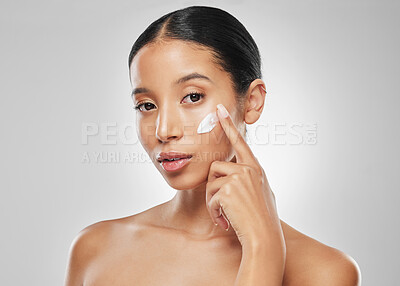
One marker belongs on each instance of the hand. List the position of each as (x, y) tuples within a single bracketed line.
[(239, 194)]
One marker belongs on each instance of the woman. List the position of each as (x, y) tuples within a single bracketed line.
[(222, 226)]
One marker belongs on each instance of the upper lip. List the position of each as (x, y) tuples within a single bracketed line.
[(171, 155)]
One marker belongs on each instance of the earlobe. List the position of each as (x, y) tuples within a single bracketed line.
[(252, 115), (255, 102)]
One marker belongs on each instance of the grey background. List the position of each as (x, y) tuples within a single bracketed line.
[(330, 64)]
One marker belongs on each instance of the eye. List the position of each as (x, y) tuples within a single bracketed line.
[(147, 106), (194, 96)]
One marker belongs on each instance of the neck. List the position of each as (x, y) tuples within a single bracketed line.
[(187, 211)]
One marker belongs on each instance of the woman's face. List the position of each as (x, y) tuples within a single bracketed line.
[(169, 118)]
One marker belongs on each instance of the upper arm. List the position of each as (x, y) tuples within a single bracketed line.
[(339, 270), (82, 250)]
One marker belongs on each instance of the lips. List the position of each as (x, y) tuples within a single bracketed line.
[(172, 156), (173, 160)]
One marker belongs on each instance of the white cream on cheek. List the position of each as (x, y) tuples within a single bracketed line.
[(208, 123)]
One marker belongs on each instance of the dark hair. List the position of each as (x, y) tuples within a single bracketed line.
[(233, 48)]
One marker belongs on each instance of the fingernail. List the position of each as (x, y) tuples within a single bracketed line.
[(227, 227), (227, 221), (222, 111)]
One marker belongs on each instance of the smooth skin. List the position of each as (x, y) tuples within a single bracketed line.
[(177, 242)]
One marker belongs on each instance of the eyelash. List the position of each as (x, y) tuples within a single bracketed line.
[(137, 107)]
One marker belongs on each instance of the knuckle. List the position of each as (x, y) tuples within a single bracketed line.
[(247, 170), (235, 176), (259, 171), (215, 163), (226, 189), (260, 179)]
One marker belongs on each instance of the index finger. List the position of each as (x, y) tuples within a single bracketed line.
[(242, 149)]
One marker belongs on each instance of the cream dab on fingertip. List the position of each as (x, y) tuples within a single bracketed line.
[(208, 123)]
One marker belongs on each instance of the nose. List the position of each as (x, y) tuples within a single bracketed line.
[(169, 125)]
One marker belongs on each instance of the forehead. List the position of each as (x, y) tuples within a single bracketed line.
[(162, 63)]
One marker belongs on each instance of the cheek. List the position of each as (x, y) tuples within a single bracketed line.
[(215, 145), (145, 132)]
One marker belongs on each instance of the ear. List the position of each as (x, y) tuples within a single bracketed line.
[(255, 101)]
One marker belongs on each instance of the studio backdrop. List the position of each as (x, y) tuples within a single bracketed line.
[(327, 139)]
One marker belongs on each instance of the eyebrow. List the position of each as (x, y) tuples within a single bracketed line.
[(183, 79)]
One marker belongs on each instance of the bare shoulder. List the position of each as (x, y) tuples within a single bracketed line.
[(96, 239), (84, 248), (86, 242), (310, 262)]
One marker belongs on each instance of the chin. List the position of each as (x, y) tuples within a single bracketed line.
[(185, 184), (185, 187)]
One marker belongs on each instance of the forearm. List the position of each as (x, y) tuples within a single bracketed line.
[(261, 266)]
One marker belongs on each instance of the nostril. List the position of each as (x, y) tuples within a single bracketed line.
[(169, 133), (163, 139)]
